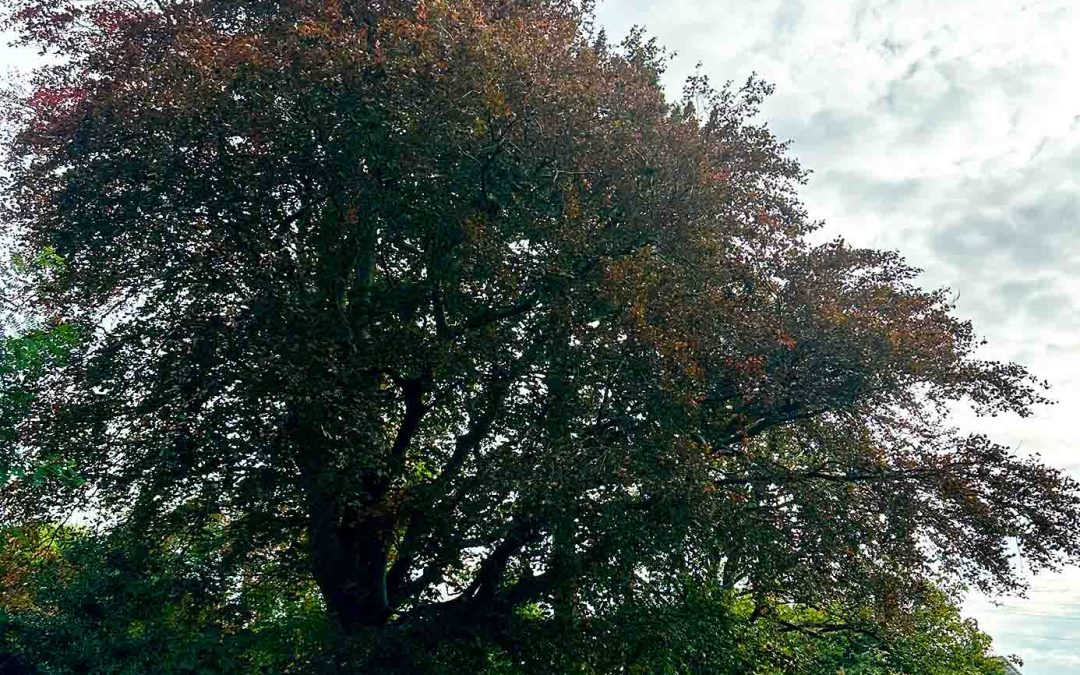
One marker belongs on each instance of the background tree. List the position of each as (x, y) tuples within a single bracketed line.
[(103, 604), (446, 306), (712, 632)]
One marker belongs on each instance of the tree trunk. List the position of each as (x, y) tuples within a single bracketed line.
[(349, 554)]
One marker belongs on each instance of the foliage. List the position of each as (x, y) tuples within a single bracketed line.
[(443, 307), (109, 605), (22, 360), (101, 604)]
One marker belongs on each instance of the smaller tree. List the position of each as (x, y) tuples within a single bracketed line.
[(113, 604), (719, 631), (931, 638), (32, 346)]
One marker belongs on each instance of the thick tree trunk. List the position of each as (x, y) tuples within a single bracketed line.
[(349, 554), (349, 533)]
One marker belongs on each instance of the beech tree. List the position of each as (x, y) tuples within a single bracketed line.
[(445, 307)]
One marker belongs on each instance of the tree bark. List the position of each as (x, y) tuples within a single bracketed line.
[(350, 549)]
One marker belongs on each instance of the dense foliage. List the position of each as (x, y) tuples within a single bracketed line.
[(103, 605), (431, 335)]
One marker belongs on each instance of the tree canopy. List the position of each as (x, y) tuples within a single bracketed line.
[(446, 313)]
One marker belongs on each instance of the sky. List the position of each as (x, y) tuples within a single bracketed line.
[(948, 130)]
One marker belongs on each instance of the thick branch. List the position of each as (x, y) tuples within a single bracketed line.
[(486, 585), (413, 395)]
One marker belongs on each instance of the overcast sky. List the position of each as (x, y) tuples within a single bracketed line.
[(949, 130)]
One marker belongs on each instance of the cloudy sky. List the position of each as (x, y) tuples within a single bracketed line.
[(949, 130)]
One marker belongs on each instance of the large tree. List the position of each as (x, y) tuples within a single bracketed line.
[(446, 306)]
